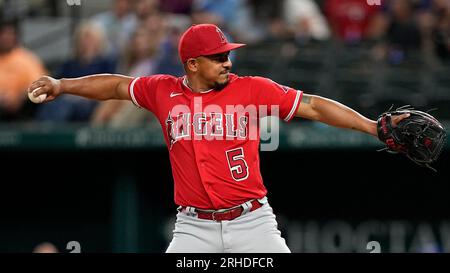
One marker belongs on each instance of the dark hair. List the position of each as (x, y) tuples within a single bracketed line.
[(9, 22)]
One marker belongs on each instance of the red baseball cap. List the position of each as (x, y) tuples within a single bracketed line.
[(203, 39)]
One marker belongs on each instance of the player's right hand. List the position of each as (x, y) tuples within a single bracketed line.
[(47, 85)]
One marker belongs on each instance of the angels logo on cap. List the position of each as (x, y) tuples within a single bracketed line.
[(223, 40)]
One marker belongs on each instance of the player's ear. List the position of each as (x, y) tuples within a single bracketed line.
[(192, 65)]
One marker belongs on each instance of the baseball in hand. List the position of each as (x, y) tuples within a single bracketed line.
[(38, 99)]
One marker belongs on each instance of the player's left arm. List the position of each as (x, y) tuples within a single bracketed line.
[(338, 115)]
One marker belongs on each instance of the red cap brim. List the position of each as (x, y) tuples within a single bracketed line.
[(226, 47)]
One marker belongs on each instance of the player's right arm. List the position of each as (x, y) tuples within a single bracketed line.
[(98, 87)]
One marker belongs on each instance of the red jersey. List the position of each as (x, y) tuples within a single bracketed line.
[(351, 18), (213, 137)]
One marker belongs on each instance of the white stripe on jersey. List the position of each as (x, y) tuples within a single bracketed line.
[(133, 98), (294, 107)]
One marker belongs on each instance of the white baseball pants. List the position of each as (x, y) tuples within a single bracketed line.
[(253, 232)]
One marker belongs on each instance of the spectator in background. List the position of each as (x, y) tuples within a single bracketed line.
[(139, 61), (224, 11), (118, 25), (305, 20), (350, 19), (401, 34), (160, 27), (269, 15), (403, 31), (18, 68), (232, 15), (164, 29), (156, 25), (441, 31), (265, 10), (152, 50), (218, 12), (139, 58), (168, 62), (146, 8), (89, 58), (434, 20), (45, 247), (176, 6)]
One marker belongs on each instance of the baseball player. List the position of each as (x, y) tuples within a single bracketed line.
[(209, 117)]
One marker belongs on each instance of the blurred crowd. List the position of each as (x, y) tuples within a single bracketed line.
[(140, 37)]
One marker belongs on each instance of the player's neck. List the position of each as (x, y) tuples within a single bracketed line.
[(196, 85)]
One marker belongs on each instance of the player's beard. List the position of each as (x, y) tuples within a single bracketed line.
[(219, 86)]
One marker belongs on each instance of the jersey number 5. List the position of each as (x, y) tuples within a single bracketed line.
[(237, 164)]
